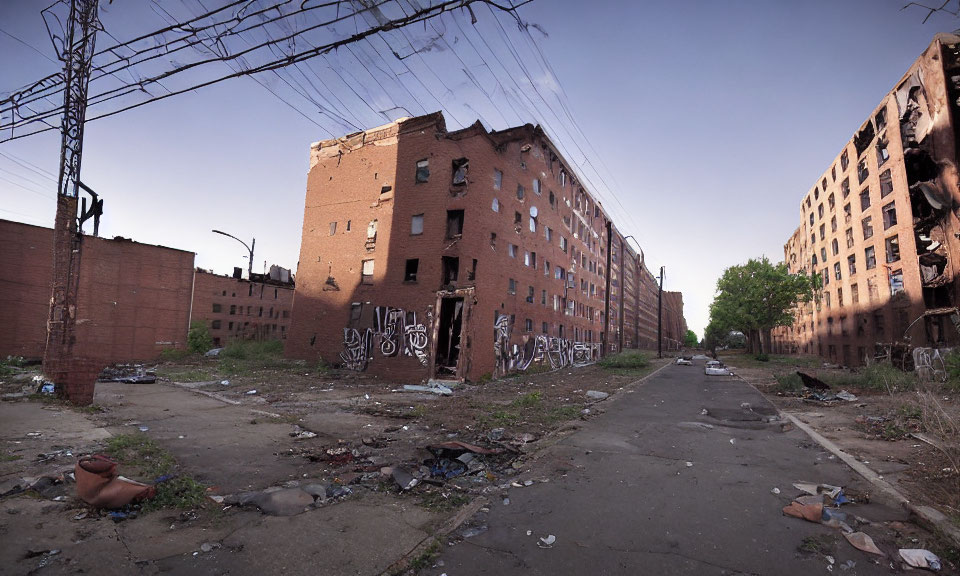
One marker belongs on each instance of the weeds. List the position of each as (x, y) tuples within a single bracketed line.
[(182, 492), (879, 376), (789, 383), (174, 354), (11, 365), (628, 360), (422, 560), (139, 452), (440, 502)]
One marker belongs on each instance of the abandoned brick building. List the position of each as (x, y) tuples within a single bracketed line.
[(880, 227), (134, 299), (234, 308), (435, 254)]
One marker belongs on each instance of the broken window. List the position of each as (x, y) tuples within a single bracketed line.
[(563, 244), (882, 153), (543, 297), (889, 215), (864, 137), (881, 119), (826, 276), (813, 238), (811, 218), (823, 184), (864, 199), (867, 225), (816, 193), (870, 257), (366, 272), (896, 282), (216, 308), (813, 260), (852, 264), (833, 224), (233, 309), (520, 192), (512, 286), (215, 325), (495, 206), (840, 302), (536, 186), (823, 255), (517, 219), (862, 171), (854, 294), (333, 228), (497, 179), (454, 223), (820, 211), (423, 171), (546, 267), (410, 272), (823, 231), (493, 240), (553, 200), (844, 161), (512, 250), (836, 271), (548, 233), (530, 294), (372, 231), (832, 202), (893, 249), (451, 269), (416, 224), (826, 296), (472, 272), (385, 189), (348, 225), (835, 245), (845, 188), (833, 172), (886, 183), (460, 167)]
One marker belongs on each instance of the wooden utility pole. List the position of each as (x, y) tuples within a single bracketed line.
[(59, 354)]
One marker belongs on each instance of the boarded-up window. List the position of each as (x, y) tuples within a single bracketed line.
[(416, 224), (366, 272)]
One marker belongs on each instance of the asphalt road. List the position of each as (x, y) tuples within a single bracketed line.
[(623, 497)]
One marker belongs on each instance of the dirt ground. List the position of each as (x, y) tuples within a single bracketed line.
[(891, 430), (235, 428)]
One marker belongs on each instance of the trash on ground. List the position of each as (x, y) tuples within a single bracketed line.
[(474, 531), (213, 352), (299, 432), (99, 485), (715, 368), (283, 502), (404, 479), (458, 447), (861, 541), (835, 519), (816, 489), (128, 374), (224, 382), (597, 395), (809, 512), (684, 362), (689, 464), (812, 382), (46, 388), (436, 389), (251, 392), (844, 395), (547, 541), (775, 491), (920, 558), (143, 428)]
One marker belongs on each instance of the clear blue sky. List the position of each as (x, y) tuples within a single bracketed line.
[(712, 119)]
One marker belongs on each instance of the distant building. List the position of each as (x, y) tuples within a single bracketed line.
[(880, 226), (467, 254), (134, 299), (237, 309)]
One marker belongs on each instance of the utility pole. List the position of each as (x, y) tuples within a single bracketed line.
[(660, 317), (59, 355), (605, 336)]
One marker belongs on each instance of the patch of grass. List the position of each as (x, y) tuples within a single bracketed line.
[(630, 360), (10, 457), (11, 365), (762, 357), (819, 544), (528, 400), (182, 492), (174, 354), (422, 560), (788, 383), (883, 377), (188, 373), (436, 501), (564, 413), (91, 409), (252, 350), (140, 452)]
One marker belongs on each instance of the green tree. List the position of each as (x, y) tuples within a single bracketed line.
[(198, 338), (690, 341), (753, 298)]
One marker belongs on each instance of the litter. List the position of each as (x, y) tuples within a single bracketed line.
[(689, 464), (684, 362), (143, 428), (46, 388), (251, 392), (404, 479), (213, 352), (99, 485), (809, 512), (775, 491), (861, 541), (461, 447), (299, 432), (475, 531), (224, 382), (815, 489), (844, 395), (920, 558), (834, 519), (438, 389), (547, 542), (496, 434)]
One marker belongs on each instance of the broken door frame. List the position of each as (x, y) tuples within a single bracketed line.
[(468, 295)]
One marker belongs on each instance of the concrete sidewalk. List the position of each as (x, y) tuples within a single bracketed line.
[(654, 486)]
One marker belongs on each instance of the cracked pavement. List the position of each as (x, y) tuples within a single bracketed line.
[(621, 498)]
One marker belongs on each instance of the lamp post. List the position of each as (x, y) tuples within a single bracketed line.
[(249, 249), (660, 315)]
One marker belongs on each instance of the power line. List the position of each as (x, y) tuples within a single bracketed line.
[(30, 46)]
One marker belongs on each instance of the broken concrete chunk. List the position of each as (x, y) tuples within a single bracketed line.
[(284, 502), (404, 479), (596, 394)]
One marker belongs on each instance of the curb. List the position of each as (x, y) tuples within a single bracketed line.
[(930, 518)]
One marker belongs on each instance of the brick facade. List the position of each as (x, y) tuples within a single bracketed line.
[(435, 254), (134, 299), (238, 309), (880, 227)]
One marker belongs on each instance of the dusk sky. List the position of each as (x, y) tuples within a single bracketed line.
[(703, 123)]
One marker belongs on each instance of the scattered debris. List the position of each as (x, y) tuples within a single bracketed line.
[(283, 501), (99, 485), (861, 541), (128, 374), (547, 541), (435, 389), (597, 395), (404, 479), (920, 558), (251, 392), (809, 512), (844, 395), (213, 352), (812, 382), (684, 362), (299, 433), (716, 368), (775, 491)]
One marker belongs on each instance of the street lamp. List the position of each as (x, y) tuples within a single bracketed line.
[(249, 249), (660, 315)]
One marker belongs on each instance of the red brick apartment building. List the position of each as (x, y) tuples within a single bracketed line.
[(880, 227), (134, 299), (435, 254), (238, 309)]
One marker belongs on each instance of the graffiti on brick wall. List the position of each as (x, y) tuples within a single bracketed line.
[(929, 365), (538, 350), (396, 332)]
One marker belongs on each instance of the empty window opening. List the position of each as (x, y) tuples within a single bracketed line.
[(528, 325), (512, 250), (882, 153), (870, 257), (493, 240), (889, 215), (854, 294), (845, 188), (366, 272), (536, 186), (472, 272), (867, 225), (833, 224), (511, 286), (864, 137), (840, 303), (820, 211), (385, 190), (823, 231), (372, 232), (835, 245), (460, 166), (497, 179), (893, 249), (233, 309), (495, 206), (844, 161), (881, 119), (852, 264), (886, 183), (896, 282), (216, 308), (451, 269), (530, 294), (416, 224), (862, 171), (410, 271), (348, 225), (215, 325), (833, 173), (836, 271), (454, 223), (423, 171), (864, 199), (520, 192)]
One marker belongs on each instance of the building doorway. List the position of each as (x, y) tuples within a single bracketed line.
[(448, 337)]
